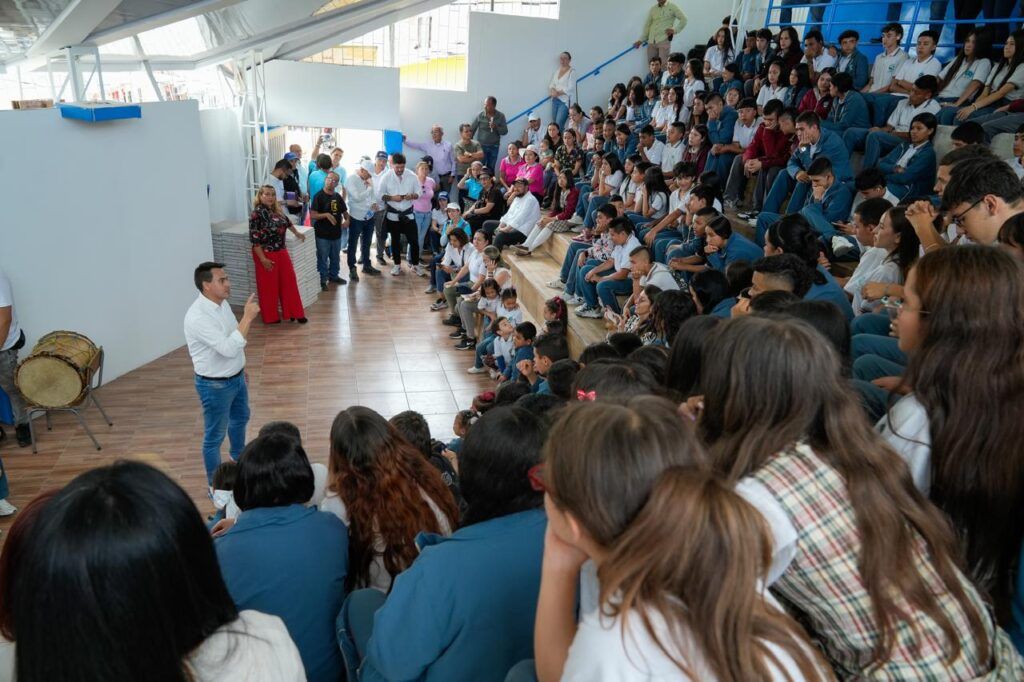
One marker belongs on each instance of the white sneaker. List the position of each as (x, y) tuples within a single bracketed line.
[(574, 300), (575, 220), (430, 290), (476, 370), (421, 271), (6, 508), (396, 270), (589, 312), (557, 284), (841, 246)]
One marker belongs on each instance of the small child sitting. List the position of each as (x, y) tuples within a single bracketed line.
[(221, 491), (486, 348), (555, 310), (509, 306), (561, 377), (414, 428), (523, 337), (547, 350), (504, 350), (463, 420)]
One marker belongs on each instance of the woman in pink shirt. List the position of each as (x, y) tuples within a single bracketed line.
[(508, 169), (533, 171), (422, 206)]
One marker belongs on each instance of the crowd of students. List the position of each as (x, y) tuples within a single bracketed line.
[(795, 457)]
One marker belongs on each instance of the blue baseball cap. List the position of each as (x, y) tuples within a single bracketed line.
[(442, 195), (290, 156)]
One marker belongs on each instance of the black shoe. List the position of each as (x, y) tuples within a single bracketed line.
[(466, 344), (453, 321), (370, 270), (337, 280), (323, 286), (381, 261), (23, 434), (302, 320), (353, 274), (457, 334), (3, 434)]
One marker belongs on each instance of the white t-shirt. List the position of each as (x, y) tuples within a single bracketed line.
[(767, 93), (380, 579), (745, 134), (614, 180), (620, 254), (978, 70), (7, 300), (514, 316), (254, 648), (453, 256), (603, 650), (907, 431), (661, 277), (821, 62), (659, 205), (911, 70), (655, 152), (672, 155), (885, 68), (717, 58), (870, 258), (475, 264), (995, 81)]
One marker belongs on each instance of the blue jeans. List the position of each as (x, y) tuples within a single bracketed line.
[(328, 253), (5, 489), (764, 221), (721, 164), (780, 189), (590, 219), (571, 256), (854, 139), (559, 112), (581, 205), (490, 156), (485, 347), (422, 226), (588, 290), (881, 105), (359, 230), (608, 290), (225, 410), (878, 145)]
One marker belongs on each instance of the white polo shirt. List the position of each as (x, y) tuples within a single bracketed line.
[(821, 62), (978, 70), (885, 68), (620, 254), (911, 70), (903, 114), (671, 155)]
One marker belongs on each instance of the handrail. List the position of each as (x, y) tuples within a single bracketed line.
[(593, 72)]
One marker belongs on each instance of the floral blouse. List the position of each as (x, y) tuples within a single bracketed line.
[(567, 159), (267, 229)]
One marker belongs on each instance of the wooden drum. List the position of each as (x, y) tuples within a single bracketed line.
[(58, 371)]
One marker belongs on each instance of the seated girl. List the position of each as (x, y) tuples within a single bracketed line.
[(465, 608), (652, 197), (867, 563), (723, 246), (899, 245), (451, 262), (642, 613), (959, 429), (563, 205), (385, 492), (910, 167), (698, 146)]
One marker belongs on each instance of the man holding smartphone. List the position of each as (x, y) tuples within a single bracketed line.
[(398, 190)]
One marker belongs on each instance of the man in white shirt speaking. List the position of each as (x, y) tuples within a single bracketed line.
[(398, 190), (216, 343)]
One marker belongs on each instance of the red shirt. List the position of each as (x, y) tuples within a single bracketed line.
[(771, 147)]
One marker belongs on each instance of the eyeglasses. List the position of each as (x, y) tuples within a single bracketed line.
[(894, 306), (958, 219)]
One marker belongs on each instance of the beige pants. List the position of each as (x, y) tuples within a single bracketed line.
[(662, 49)]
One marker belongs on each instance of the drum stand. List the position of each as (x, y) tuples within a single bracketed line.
[(75, 409)]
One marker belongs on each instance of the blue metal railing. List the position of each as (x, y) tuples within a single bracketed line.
[(920, 18), (593, 72)]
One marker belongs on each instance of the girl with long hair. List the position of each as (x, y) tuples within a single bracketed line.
[(385, 492), (719, 55), (965, 76), (555, 311), (900, 247), (616, 110), (961, 324), (865, 561), (655, 603), (1001, 86), (692, 84), (697, 148), (118, 580), (275, 275), (789, 50), (563, 205), (699, 112), (668, 311), (775, 86)]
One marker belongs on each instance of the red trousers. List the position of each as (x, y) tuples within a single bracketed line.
[(277, 284)]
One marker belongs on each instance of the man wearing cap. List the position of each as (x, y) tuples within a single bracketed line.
[(522, 214), (361, 202), (440, 150), (291, 185), (398, 189), (330, 216), (488, 127), (380, 169), (532, 134), (490, 205), (466, 150)]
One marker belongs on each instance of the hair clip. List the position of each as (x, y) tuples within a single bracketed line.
[(536, 476), (586, 395)]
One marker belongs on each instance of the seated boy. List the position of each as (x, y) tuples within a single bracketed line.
[(547, 349), (593, 284)]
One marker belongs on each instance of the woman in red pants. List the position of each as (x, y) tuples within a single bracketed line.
[(275, 276)]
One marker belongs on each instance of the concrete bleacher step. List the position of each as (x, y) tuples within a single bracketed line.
[(531, 275)]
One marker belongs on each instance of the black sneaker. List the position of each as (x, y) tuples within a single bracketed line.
[(453, 321), (353, 274), (370, 270), (457, 334), (337, 280), (381, 261), (23, 434), (323, 286), (466, 344)]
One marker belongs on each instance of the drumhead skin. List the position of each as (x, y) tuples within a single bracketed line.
[(58, 370)]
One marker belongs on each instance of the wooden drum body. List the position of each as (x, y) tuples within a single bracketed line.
[(58, 371)]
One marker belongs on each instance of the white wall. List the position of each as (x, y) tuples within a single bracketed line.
[(107, 243), (512, 58), (310, 94), (225, 163)]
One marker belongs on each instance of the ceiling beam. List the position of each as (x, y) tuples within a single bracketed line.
[(131, 28), (71, 26)]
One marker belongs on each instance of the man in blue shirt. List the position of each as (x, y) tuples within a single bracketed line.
[(830, 201)]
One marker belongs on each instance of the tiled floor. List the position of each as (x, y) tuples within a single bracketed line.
[(372, 343)]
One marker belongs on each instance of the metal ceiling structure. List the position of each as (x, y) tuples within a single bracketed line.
[(34, 32)]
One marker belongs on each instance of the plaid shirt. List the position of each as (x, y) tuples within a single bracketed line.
[(824, 583)]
